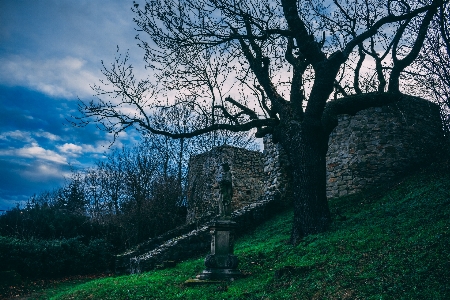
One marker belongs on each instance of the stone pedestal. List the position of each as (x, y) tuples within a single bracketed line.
[(221, 264)]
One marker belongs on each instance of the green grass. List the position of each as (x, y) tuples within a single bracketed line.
[(395, 246)]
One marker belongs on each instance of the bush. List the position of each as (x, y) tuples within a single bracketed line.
[(40, 258)]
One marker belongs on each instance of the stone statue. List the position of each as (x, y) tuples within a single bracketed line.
[(222, 264), (226, 191)]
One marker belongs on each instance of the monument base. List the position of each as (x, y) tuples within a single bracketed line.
[(221, 264), (219, 274)]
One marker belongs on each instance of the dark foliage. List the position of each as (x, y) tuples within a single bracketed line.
[(43, 221), (52, 258)]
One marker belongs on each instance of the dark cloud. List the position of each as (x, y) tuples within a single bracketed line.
[(31, 111), (26, 109)]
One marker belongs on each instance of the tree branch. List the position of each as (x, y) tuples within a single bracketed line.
[(400, 65), (385, 20), (234, 128), (362, 56)]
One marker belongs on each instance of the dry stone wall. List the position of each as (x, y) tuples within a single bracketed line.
[(366, 150), (277, 183), (203, 190), (381, 143)]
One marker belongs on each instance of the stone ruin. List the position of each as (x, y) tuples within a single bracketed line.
[(372, 148), (379, 144), (255, 175), (203, 188), (365, 151)]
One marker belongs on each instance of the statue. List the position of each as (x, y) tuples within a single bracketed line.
[(226, 191), (222, 264)]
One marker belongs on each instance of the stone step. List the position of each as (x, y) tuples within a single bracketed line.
[(188, 244)]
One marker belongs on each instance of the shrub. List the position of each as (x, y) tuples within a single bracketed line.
[(41, 258)]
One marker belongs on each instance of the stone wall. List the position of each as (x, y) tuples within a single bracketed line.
[(379, 144), (203, 190), (366, 150), (277, 183)]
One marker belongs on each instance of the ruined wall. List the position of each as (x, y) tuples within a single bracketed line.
[(277, 183), (366, 150), (203, 191), (380, 143)]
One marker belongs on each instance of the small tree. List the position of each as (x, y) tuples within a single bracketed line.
[(73, 196), (286, 67)]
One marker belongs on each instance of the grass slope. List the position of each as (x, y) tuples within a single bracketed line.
[(394, 246)]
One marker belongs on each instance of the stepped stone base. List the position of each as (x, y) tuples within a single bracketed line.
[(221, 263), (219, 274)]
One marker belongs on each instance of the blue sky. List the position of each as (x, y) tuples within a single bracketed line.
[(50, 52)]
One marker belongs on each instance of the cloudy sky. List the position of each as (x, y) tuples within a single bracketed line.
[(50, 52)]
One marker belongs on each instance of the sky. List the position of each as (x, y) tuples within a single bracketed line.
[(50, 54)]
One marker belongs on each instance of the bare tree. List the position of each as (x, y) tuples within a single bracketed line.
[(433, 64), (94, 193), (286, 67), (180, 150), (112, 181)]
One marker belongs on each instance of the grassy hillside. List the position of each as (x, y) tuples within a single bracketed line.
[(394, 246)]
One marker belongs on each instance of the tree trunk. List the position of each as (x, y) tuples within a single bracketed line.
[(306, 145), (180, 162)]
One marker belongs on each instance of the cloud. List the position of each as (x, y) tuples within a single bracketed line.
[(58, 77), (48, 135), (24, 177), (56, 47), (27, 136), (36, 152), (17, 135), (42, 171), (50, 53), (70, 148)]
